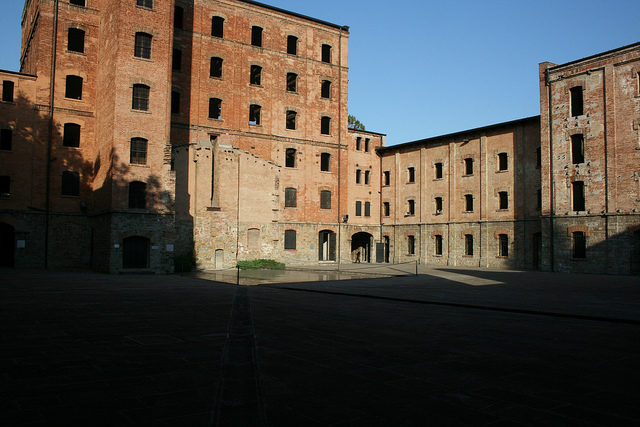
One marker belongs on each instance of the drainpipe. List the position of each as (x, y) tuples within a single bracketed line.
[(551, 183), (50, 142), (339, 246), (606, 163)]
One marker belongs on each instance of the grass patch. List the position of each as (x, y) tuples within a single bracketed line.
[(256, 264)]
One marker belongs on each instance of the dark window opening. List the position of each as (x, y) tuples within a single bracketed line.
[(386, 209), (367, 145), (468, 166), (412, 174), (215, 68), (291, 119), (438, 205), (411, 245), (468, 244), (175, 102), (468, 203), (140, 99), (178, 17), (325, 199), (142, 48), (256, 36), (411, 207), (579, 244), (438, 170), (325, 159), (326, 89), (5, 185), (135, 252), (325, 125), (578, 196), (77, 2), (73, 87), (292, 82), (290, 158), (577, 102), (70, 183), (137, 195), (254, 114), (503, 162), (326, 53), (367, 208), (292, 45), (289, 239), (503, 245), (539, 204), (504, 200), (7, 90), (359, 143), (217, 26), (538, 157), (145, 3), (358, 208), (367, 177), (71, 135), (358, 176), (255, 76), (6, 139), (438, 244), (577, 148), (386, 178), (138, 151), (176, 60), (215, 108), (290, 198), (75, 40)]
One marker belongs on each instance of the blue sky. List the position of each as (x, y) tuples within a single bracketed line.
[(422, 68)]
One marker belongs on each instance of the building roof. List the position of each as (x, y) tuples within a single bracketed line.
[(297, 15), (609, 52), (366, 131), (457, 135)]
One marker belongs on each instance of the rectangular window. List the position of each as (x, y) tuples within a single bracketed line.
[(367, 177), (256, 36), (290, 239), (292, 45), (290, 158), (326, 89), (468, 203), (367, 145), (539, 206), (291, 120), (577, 102), (386, 209), (411, 174), (70, 184), (358, 176), (579, 244), (5, 185), (438, 167), (358, 143), (578, 195), (468, 166), (71, 135), (145, 3), (77, 2), (215, 108), (142, 47), (325, 159), (215, 67), (140, 98), (577, 148), (358, 208), (75, 40), (468, 244), (175, 102), (290, 198), (217, 26), (438, 205), (73, 89), (325, 125), (411, 245), (411, 207), (254, 114), (538, 158), (7, 90), (178, 17), (504, 200), (325, 199), (176, 60), (292, 82), (137, 195), (367, 208), (255, 75), (386, 178), (6, 139), (326, 53), (438, 244), (503, 245), (503, 161), (138, 151)]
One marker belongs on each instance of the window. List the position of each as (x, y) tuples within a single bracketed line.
[(217, 26), (325, 159), (577, 148), (175, 102), (176, 60), (358, 208), (438, 244), (367, 145), (411, 207), (292, 45), (75, 40), (290, 158), (71, 135), (73, 88), (503, 161), (326, 53), (6, 139), (438, 201), (140, 99), (178, 17), (539, 205), (256, 36), (215, 68), (412, 174), (579, 244), (504, 199), (137, 195), (254, 114), (7, 90), (292, 82), (386, 178), (386, 209), (411, 245), (5, 185), (577, 104), (255, 75), (538, 158), (142, 48), (367, 177), (326, 89), (215, 108), (367, 208), (138, 151), (468, 203), (503, 245), (358, 176), (325, 125), (325, 199), (438, 167), (291, 119), (468, 166), (135, 252), (468, 244), (70, 183), (290, 197), (145, 3), (578, 195), (289, 239), (359, 143), (77, 2)]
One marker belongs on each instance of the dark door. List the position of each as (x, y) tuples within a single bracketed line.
[(135, 252), (7, 245), (380, 252), (387, 248)]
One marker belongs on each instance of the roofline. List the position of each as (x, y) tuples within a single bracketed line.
[(608, 52), (366, 131), (17, 73), (458, 134), (297, 15)]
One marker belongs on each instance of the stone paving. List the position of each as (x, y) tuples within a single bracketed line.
[(445, 347)]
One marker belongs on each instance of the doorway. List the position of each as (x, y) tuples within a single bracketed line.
[(7, 245), (219, 259), (387, 248), (135, 252), (361, 247), (327, 245)]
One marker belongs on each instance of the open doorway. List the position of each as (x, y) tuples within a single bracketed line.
[(7, 245), (361, 247), (327, 245)]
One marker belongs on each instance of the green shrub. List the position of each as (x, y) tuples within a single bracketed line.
[(184, 263), (256, 264)]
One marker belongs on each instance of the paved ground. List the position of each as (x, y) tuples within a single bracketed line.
[(447, 347)]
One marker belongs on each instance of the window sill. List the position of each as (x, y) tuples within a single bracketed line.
[(409, 215), (502, 257), (255, 125), (410, 254), (437, 214), (467, 212), (140, 58), (75, 52), (325, 134), (216, 119), (150, 9), (292, 92), (137, 165), (70, 196), (502, 210), (213, 209), (73, 99), (467, 175), (437, 179), (255, 85), (467, 256), (216, 78), (290, 250), (502, 170), (133, 110), (326, 172), (410, 182), (71, 147), (290, 207), (2, 101)]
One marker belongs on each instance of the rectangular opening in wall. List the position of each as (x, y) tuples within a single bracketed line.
[(291, 119), (358, 208), (579, 245), (411, 207), (438, 170), (411, 171), (504, 199), (577, 102), (386, 178), (503, 160), (254, 114), (75, 40), (290, 158), (468, 166), (256, 36), (325, 125), (325, 159), (578, 196), (255, 75), (175, 102), (217, 26), (215, 108), (326, 53), (577, 148), (6, 139), (468, 202), (503, 245), (178, 17), (7, 90), (176, 60), (292, 45), (290, 198), (468, 244), (142, 46), (325, 199), (292, 82), (215, 68), (5, 185), (70, 184), (538, 158), (71, 135), (438, 201), (73, 89), (326, 89), (411, 245), (438, 244), (290, 239), (386, 209)]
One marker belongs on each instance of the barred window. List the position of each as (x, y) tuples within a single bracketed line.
[(138, 151), (137, 195), (290, 197), (140, 98), (289, 239), (142, 48), (325, 199)]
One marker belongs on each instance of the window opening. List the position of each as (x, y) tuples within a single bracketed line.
[(578, 196), (386, 178), (412, 174), (290, 158), (291, 119), (137, 195), (325, 159), (71, 135), (577, 148), (256, 36), (411, 207), (178, 17), (254, 114), (579, 244), (77, 2), (73, 88), (438, 205), (468, 244), (135, 252), (215, 108), (358, 143), (326, 53), (504, 200), (145, 3), (215, 68), (70, 183), (292, 82), (538, 157), (138, 151), (411, 245), (539, 205), (292, 45), (367, 177), (140, 97), (367, 208), (142, 48), (367, 145), (358, 176), (255, 76), (325, 125), (438, 244), (386, 209), (6, 139), (325, 199), (7, 90), (468, 202), (468, 166), (5, 185), (438, 170), (326, 89), (75, 40), (503, 245), (289, 239), (290, 197), (503, 161), (217, 26), (358, 208), (176, 60), (577, 102)]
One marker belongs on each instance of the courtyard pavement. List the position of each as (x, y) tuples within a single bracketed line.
[(444, 347)]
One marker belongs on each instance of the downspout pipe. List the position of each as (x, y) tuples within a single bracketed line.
[(52, 85), (339, 218), (551, 177)]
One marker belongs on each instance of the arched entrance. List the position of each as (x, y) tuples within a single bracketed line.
[(326, 245), (361, 244), (7, 245), (135, 252)]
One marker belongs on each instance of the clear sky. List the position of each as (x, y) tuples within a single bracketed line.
[(422, 68)]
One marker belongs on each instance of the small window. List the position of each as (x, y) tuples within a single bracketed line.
[(6, 139), (73, 89), (256, 36), (503, 245), (325, 199), (325, 162), (75, 40), (178, 17), (438, 170), (71, 135), (292, 45), (145, 3), (291, 119), (503, 161), (468, 244), (539, 205), (367, 145), (137, 195), (577, 102), (77, 2), (367, 177), (578, 196), (358, 208), (5, 185), (386, 178), (290, 158), (411, 207), (217, 26), (140, 99), (176, 60), (325, 125), (290, 197), (215, 108), (468, 166), (411, 245), (142, 48), (468, 203), (326, 89), (326, 53), (367, 208), (7, 90), (70, 183), (175, 102), (255, 75), (358, 176), (504, 199), (438, 201), (289, 239), (138, 151), (292, 82), (254, 114), (438, 244), (538, 158), (359, 143), (215, 68), (386, 209), (411, 174), (579, 244), (577, 148)]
